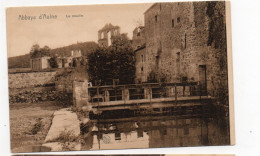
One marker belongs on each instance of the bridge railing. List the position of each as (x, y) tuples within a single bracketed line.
[(144, 91)]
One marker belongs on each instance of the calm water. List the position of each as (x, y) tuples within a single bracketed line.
[(154, 132)]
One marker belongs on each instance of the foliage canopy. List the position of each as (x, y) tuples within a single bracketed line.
[(37, 52), (114, 62)]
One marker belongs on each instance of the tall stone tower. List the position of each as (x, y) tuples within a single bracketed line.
[(138, 37), (106, 34)]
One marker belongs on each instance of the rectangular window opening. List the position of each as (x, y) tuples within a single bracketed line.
[(178, 20), (178, 63), (185, 44), (172, 23)]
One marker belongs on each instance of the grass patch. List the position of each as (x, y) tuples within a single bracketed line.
[(37, 126), (29, 124), (65, 136), (67, 139)]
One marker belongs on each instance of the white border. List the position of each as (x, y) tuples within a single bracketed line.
[(245, 19)]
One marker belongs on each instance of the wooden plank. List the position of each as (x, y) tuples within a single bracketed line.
[(145, 85), (155, 100), (146, 118), (147, 106)]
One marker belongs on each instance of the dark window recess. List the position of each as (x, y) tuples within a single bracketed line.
[(178, 56), (117, 136), (178, 65), (185, 41), (157, 62), (172, 22), (138, 34), (184, 79), (165, 132), (155, 18), (178, 20), (142, 69)]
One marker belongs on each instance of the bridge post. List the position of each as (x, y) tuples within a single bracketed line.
[(148, 93), (80, 93), (125, 94), (176, 92), (107, 99), (171, 92)]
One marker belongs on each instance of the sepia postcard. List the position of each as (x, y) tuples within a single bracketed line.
[(120, 76)]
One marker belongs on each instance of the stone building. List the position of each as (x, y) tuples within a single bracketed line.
[(41, 63), (105, 35), (64, 62), (138, 44), (140, 75), (75, 60), (186, 41), (71, 61), (138, 39)]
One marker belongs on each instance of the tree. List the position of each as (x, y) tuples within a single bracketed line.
[(53, 62), (114, 62), (34, 49), (124, 59), (37, 52)]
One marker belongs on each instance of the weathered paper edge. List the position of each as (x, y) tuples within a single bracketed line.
[(230, 74)]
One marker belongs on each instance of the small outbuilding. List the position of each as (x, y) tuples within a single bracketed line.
[(40, 63)]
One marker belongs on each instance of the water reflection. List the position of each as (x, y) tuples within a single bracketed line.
[(154, 132)]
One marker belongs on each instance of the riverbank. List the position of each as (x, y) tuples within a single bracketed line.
[(64, 133), (30, 123)]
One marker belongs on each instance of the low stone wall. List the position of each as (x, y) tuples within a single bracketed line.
[(25, 80), (38, 94), (36, 87)]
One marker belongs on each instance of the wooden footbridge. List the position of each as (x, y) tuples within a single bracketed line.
[(154, 97)]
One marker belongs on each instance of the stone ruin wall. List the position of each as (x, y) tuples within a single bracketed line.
[(165, 41)]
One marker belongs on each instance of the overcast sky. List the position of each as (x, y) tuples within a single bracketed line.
[(22, 34)]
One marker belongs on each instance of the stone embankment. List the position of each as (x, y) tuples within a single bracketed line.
[(26, 80), (31, 87), (35, 87), (37, 94), (64, 134)]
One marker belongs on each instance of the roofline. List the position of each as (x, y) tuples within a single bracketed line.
[(150, 7), (113, 27)]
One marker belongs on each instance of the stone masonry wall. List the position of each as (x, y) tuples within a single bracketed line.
[(182, 36), (35, 87), (138, 39), (139, 64), (25, 80)]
